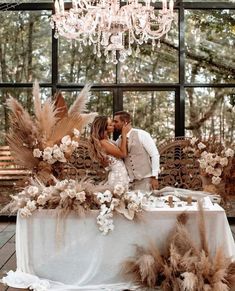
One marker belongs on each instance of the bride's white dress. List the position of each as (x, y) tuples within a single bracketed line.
[(117, 172)]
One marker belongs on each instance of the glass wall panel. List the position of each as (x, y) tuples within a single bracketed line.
[(77, 65), (210, 112), (25, 46), (153, 64), (100, 101), (153, 111), (210, 42)]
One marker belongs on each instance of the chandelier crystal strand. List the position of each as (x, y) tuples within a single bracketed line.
[(109, 26)]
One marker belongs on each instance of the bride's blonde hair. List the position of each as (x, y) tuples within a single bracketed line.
[(97, 133)]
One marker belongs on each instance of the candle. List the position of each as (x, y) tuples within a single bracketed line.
[(61, 6), (170, 201), (57, 7), (189, 200), (171, 6)]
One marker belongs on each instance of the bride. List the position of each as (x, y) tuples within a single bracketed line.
[(107, 152)]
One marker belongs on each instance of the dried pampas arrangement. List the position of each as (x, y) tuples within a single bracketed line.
[(184, 266), (36, 142)]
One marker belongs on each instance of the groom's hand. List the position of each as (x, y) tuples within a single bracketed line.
[(154, 183)]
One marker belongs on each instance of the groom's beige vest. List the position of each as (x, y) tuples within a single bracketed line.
[(137, 162)]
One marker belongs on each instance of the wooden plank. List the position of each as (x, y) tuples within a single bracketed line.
[(13, 171), (10, 265), (5, 236), (3, 226), (6, 252)]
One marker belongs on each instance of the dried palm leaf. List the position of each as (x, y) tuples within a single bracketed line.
[(61, 106), (37, 100), (21, 122), (45, 114), (63, 127), (80, 102), (87, 118), (22, 154)]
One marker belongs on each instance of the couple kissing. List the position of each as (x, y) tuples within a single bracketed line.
[(132, 160)]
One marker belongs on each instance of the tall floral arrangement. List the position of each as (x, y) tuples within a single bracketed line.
[(215, 159), (44, 141)]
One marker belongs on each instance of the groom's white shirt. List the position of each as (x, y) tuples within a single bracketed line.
[(150, 147)]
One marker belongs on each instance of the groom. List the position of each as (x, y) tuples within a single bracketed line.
[(142, 161)]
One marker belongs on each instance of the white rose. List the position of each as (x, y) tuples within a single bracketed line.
[(118, 189), (81, 196), (76, 132), (229, 153), (25, 212), (204, 154), (66, 140), (32, 191), (216, 180), (209, 170), (223, 162), (37, 153), (31, 205), (217, 172), (74, 144), (61, 185), (203, 164), (58, 155), (42, 199), (71, 193)]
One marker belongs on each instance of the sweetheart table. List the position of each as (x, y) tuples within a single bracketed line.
[(72, 254)]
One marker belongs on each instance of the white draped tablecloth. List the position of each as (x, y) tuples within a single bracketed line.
[(74, 253)]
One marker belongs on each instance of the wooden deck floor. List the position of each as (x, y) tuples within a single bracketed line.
[(7, 251)]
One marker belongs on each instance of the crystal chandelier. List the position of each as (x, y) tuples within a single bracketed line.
[(111, 26)]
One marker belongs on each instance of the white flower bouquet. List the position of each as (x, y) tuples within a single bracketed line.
[(215, 160)]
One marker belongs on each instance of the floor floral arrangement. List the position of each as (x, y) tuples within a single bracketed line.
[(183, 266)]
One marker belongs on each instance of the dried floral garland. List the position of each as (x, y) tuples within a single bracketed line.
[(83, 196)]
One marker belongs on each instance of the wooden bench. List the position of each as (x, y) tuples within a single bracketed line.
[(10, 172)]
